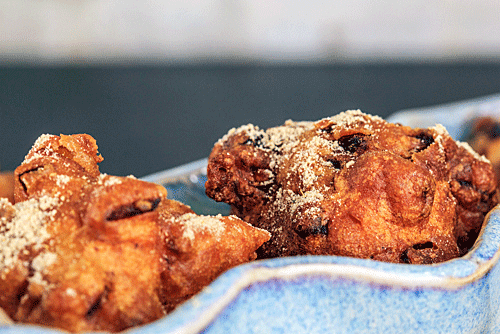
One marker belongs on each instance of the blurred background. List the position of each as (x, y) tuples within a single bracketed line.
[(158, 82)]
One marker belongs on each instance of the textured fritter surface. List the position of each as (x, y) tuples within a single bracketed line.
[(7, 186), (201, 247), (484, 137), (354, 185), (86, 251)]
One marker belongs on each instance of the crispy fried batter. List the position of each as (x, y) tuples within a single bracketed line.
[(201, 247), (86, 251), (354, 185), (7, 186), (484, 138)]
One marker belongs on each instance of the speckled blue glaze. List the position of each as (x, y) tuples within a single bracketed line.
[(318, 294), (331, 294)]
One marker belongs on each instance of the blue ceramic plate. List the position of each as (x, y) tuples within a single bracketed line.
[(332, 294)]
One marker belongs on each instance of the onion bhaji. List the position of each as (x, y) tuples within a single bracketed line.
[(354, 185), (86, 251)]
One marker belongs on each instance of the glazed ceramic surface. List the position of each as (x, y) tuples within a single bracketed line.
[(331, 294)]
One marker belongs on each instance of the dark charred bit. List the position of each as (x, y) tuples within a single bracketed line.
[(423, 245), (277, 147), (313, 228), (255, 141), (265, 188), (222, 173), (96, 305), (23, 289), (133, 209), (25, 188), (328, 128), (425, 139), (28, 304), (465, 183), (466, 242), (335, 163), (353, 143), (404, 257)]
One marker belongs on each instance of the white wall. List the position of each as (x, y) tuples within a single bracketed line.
[(87, 31)]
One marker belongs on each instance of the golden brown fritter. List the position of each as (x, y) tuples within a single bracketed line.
[(86, 251), (201, 247), (484, 137), (7, 186), (354, 185)]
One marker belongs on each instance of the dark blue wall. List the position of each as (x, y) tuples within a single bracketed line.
[(150, 118)]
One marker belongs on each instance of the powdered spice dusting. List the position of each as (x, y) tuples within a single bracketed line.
[(41, 147), (193, 224), (108, 180), (25, 228), (40, 264)]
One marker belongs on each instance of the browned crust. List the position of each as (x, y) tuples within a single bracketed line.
[(354, 185)]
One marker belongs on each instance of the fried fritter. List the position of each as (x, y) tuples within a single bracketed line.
[(354, 185), (484, 137), (85, 251), (201, 247), (7, 186)]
